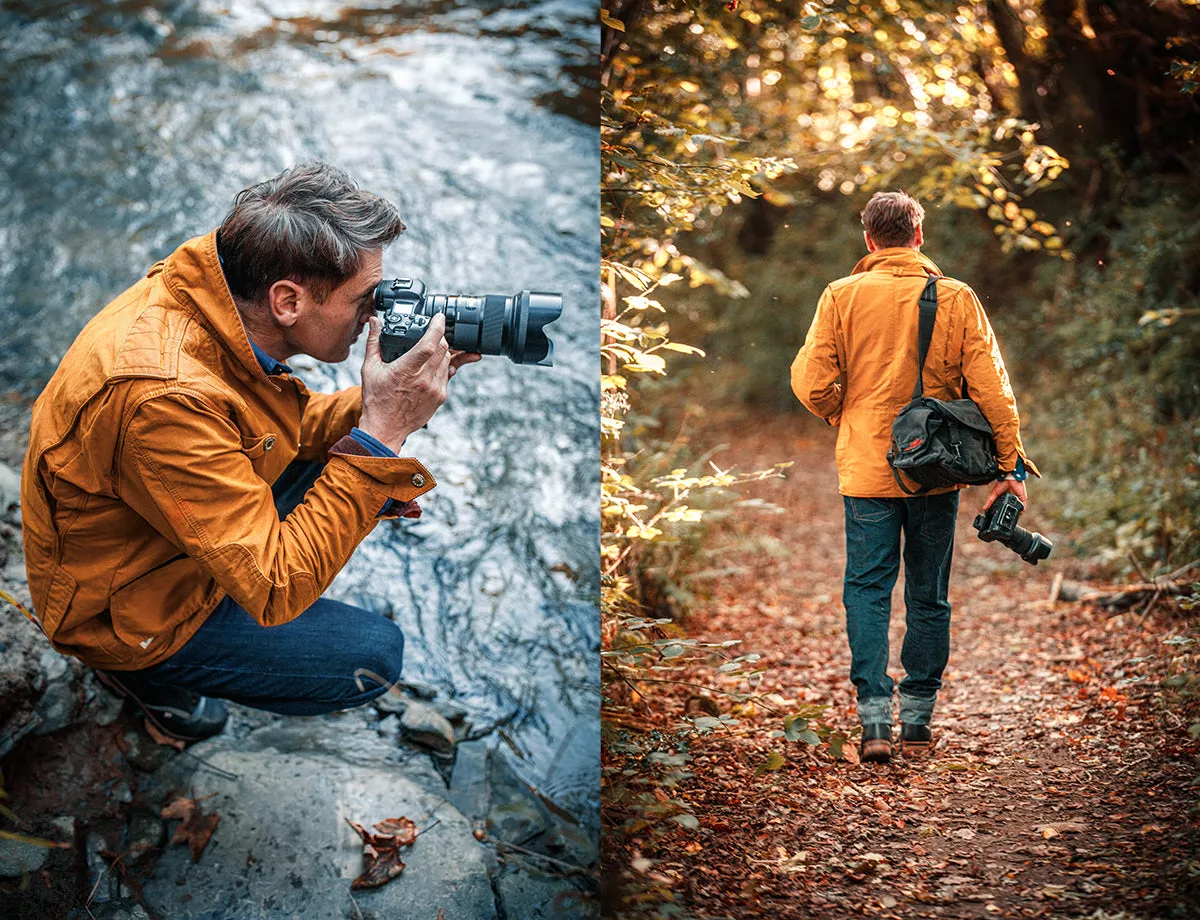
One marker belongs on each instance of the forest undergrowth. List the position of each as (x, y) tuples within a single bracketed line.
[(1064, 778)]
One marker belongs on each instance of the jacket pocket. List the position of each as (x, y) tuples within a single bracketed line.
[(258, 446), (57, 602)]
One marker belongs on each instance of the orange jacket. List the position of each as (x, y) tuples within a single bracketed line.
[(859, 364), (146, 492)]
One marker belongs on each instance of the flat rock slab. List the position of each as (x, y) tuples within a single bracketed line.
[(283, 849)]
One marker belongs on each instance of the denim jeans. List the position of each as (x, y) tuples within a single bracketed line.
[(322, 661), (873, 531)]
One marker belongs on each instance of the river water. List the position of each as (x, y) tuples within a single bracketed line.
[(127, 127)]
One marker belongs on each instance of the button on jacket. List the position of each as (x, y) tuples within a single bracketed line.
[(859, 364), (146, 492)]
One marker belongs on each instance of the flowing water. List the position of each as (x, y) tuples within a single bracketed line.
[(128, 127)]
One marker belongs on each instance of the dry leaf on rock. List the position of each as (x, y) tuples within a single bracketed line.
[(196, 828), (381, 850), (164, 739)]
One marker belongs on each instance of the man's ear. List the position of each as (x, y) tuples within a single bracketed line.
[(871, 247), (919, 239), (284, 298)]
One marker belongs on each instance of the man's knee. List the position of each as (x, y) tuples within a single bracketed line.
[(382, 657)]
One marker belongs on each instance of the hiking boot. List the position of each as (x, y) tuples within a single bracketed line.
[(876, 743), (178, 713), (915, 740)]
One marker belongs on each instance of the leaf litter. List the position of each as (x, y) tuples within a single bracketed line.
[(1063, 784)]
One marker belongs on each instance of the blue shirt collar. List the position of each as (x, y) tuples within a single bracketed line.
[(269, 365)]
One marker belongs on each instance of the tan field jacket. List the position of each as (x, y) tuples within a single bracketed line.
[(146, 491), (859, 364)]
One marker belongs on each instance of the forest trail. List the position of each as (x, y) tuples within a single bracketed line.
[(1060, 785)]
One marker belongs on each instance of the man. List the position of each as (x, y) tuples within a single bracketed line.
[(154, 546), (857, 370)]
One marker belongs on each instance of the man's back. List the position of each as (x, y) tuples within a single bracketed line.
[(859, 363)]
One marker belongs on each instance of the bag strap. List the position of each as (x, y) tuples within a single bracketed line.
[(907, 490), (928, 305)]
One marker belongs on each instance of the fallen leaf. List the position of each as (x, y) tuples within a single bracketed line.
[(195, 829), (381, 850), (160, 738)]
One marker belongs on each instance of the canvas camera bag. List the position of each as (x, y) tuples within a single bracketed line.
[(936, 442)]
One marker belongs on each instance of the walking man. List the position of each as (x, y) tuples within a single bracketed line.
[(857, 370)]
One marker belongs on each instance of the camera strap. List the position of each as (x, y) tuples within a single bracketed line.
[(928, 305)]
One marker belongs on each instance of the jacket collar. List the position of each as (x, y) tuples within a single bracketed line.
[(192, 273), (899, 260)]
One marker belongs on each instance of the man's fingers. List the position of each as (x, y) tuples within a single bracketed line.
[(997, 490), (374, 325), (433, 342), (459, 358)]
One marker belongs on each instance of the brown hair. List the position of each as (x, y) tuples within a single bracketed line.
[(892, 219), (311, 224)]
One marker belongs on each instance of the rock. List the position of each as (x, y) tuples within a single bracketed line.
[(282, 847), (469, 788), (419, 690), (532, 896), (122, 909), (145, 834), (451, 711), (59, 705), (424, 725), (18, 857), (142, 753), (10, 489)]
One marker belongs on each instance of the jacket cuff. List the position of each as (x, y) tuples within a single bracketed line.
[(401, 479), (391, 507)]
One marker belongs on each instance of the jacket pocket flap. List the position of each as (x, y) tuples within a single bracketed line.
[(256, 447)]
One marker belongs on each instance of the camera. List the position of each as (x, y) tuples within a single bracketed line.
[(489, 324), (999, 524)]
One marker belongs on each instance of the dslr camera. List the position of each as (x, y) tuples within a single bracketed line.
[(999, 524), (489, 324)]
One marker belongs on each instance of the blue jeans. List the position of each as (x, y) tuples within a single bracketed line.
[(873, 530), (322, 661)]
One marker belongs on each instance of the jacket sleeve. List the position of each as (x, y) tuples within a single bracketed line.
[(987, 381), (181, 466), (328, 417), (818, 367)]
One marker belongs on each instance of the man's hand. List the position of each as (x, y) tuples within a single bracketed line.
[(399, 397), (1007, 485)]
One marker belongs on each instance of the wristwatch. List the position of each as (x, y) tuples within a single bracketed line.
[(1019, 474)]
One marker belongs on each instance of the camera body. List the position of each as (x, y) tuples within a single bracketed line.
[(999, 524), (489, 324)]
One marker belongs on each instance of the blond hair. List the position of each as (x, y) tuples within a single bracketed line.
[(892, 219)]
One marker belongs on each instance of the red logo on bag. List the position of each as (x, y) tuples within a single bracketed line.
[(916, 442)]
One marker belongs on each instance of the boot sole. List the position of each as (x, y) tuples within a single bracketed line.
[(877, 750)]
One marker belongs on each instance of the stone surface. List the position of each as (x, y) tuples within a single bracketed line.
[(282, 847), (17, 857), (10, 489), (123, 909), (530, 895), (424, 725)]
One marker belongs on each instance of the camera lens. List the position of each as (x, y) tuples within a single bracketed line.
[(1031, 547), (489, 324)]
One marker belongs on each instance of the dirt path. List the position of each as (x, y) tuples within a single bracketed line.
[(1060, 785)]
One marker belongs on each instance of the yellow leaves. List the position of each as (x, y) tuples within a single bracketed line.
[(647, 363), (1045, 229), (607, 19)]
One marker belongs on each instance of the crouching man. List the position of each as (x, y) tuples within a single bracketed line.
[(186, 500)]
